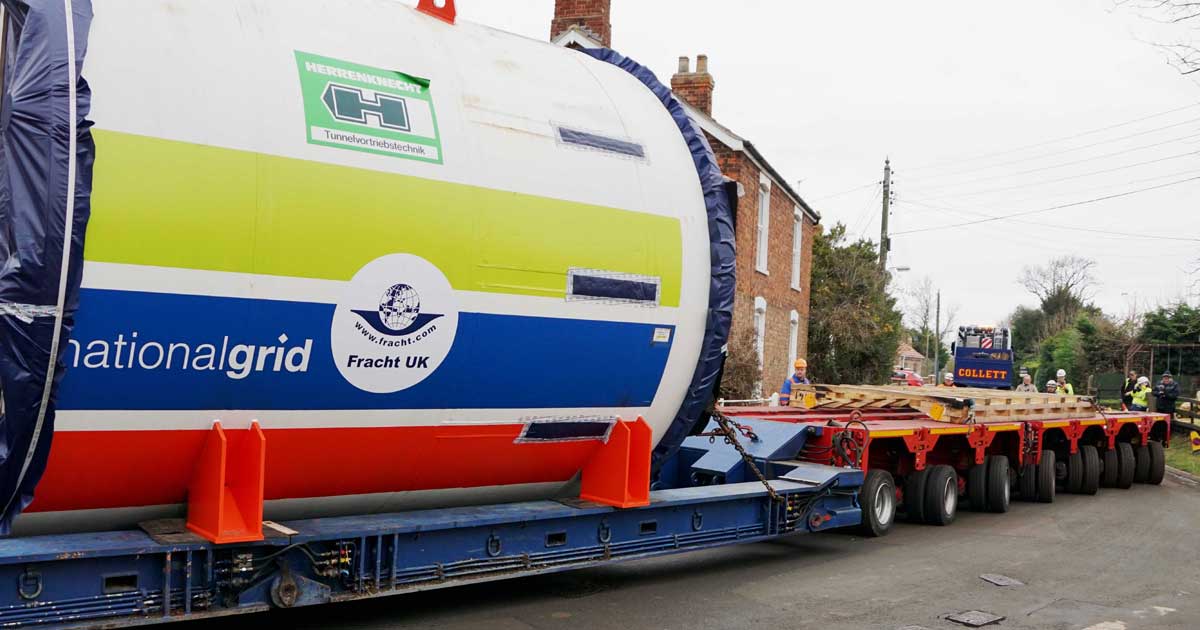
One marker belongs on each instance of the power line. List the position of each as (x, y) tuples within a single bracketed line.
[(864, 218), (1090, 189), (1066, 164), (844, 192), (1068, 178), (1072, 228), (991, 219), (1055, 140)]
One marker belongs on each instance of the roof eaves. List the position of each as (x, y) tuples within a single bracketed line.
[(737, 143)]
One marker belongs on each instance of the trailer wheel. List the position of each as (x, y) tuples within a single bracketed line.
[(1158, 463), (1126, 462), (1111, 469), (1028, 482), (1141, 467), (1047, 478), (977, 486), (1091, 469), (941, 495), (1074, 472), (999, 486), (878, 500), (914, 495)]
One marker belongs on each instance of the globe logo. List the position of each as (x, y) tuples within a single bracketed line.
[(399, 307)]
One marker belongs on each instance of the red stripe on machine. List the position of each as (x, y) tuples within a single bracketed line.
[(111, 469)]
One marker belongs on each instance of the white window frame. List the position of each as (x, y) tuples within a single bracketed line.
[(761, 250), (797, 246), (760, 343), (793, 341)]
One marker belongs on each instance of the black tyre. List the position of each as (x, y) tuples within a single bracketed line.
[(999, 486), (941, 495), (914, 495), (1158, 463), (1108, 479), (878, 500), (1046, 480), (1141, 469), (1126, 462), (1091, 469), (1028, 481), (977, 486), (1074, 472)]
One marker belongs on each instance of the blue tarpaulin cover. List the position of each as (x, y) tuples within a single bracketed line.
[(722, 252), (46, 155)]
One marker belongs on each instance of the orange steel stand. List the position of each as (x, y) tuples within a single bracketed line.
[(225, 498), (619, 472)]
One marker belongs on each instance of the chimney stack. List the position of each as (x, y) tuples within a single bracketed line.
[(694, 87), (589, 16)]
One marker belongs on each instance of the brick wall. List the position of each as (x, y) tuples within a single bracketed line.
[(775, 286), (593, 15)]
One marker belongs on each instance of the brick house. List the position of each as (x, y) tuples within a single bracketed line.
[(774, 225)]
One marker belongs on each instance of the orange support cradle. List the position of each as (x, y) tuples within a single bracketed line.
[(619, 472), (225, 498)]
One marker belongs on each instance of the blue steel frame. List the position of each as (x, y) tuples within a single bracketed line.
[(118, 579)]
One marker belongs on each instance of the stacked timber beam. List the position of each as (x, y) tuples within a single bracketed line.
[(958, 405)]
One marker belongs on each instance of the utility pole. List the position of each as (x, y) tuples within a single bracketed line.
[(884, 243), (937, 339)]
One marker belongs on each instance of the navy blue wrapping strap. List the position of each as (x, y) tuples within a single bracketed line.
[(40, 205), (722, 255)]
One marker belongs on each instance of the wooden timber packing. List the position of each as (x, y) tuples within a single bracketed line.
[(958, 405)]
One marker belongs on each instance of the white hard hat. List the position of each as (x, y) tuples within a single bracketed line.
[(1062, 373), (949, 376), (1051, 383), (1142, 380)]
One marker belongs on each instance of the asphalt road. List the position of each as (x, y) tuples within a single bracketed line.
[(1119, 560)]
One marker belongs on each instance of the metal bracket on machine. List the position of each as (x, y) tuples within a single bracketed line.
[(225, 498), (441, 9), (618, 474)]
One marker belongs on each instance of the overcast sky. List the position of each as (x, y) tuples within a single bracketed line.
[(955, 93)]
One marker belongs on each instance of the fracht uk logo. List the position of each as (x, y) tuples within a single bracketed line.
[(395, 324)]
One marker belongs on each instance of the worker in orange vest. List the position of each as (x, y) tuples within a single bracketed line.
[(799, 377)]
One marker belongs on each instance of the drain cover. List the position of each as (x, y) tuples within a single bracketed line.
[(1001, 580), (975, 618)]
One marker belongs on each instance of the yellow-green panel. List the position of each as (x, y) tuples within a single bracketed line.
[(175, 204)]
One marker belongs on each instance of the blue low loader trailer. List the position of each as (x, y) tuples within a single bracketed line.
[(733, 483), (983, 357)]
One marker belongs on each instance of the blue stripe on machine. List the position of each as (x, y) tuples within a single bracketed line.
[(497, 361)]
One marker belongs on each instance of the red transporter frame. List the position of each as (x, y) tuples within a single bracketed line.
[(904, 443)]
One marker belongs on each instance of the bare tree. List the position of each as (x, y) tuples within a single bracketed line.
[(1184, 54), (1065, 277)]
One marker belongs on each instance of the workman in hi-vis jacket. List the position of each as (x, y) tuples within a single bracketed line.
[(799, 377), (1063, 386)]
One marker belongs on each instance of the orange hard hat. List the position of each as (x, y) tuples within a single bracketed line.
[(800, 363)]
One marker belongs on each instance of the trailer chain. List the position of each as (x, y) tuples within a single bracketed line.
[(729, 430)]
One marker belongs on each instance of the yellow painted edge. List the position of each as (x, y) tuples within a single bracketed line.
[(1003, 427), (1056, 423), (892, 433), (956, 430)]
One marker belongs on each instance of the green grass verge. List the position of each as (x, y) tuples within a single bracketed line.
[(1180, 456)]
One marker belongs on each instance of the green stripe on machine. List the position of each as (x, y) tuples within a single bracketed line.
[(175, 204)]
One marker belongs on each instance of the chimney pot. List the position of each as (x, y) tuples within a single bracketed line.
[(701, 64), (685, 65)]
